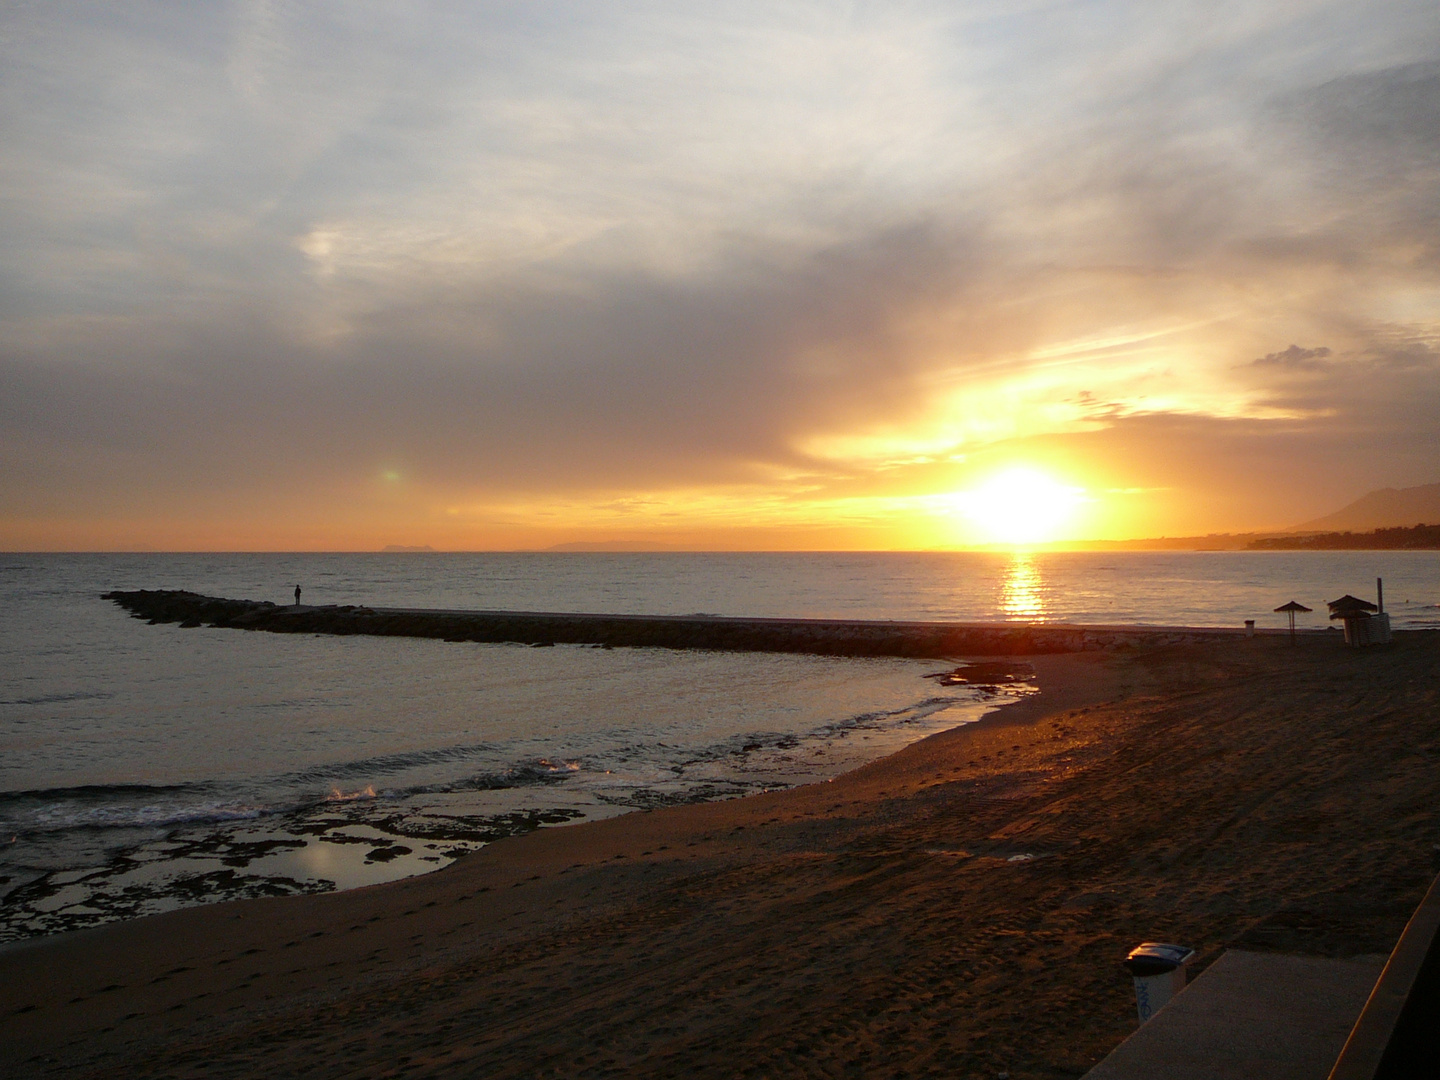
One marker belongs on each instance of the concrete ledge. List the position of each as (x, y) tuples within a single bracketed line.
[(1395, 1036), (1250, 1015)]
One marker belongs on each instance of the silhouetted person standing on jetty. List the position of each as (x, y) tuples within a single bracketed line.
[(297, 595)]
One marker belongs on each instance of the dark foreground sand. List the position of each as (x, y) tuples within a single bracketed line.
[(1236, 792)]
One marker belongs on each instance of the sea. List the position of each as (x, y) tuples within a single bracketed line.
[(145, 768)]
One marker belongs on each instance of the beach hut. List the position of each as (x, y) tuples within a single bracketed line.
[(1365, 624), (1290, 609)]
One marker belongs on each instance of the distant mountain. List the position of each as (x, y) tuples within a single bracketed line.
[(407, 547), (1384, 509)]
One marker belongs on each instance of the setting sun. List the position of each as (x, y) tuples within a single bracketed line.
[(1021, 505)]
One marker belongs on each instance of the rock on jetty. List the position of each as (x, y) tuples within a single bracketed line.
[(832, 637)]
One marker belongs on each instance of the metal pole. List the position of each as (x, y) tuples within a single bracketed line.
[(1380, 595)]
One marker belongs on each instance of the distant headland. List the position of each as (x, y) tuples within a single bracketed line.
[(1415, 538)]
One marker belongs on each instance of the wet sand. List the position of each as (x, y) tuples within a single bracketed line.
[(957, 909)]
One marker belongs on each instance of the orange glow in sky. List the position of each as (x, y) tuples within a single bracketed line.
[(949, 274)]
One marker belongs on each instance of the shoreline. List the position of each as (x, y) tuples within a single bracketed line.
[(959, 905), (993, 715), (384, 828)]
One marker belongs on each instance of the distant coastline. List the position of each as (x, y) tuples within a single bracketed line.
[(614, 546), (1415, 538), (1399, 538)]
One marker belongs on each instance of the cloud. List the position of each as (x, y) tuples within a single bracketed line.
[(587, 257), (1293, 357), (1406, 355)]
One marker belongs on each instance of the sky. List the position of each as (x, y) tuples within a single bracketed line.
[(502, 275)]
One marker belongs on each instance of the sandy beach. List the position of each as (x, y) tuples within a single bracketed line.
[(957, 909)]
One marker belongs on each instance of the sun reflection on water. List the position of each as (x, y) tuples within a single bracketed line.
[(1021, 590)]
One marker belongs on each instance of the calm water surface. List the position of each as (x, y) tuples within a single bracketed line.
[(146, 767)]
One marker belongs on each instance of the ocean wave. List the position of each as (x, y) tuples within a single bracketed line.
[(919, 710), (62, 817), (55, 699), (87, 792), (161, 806), (169, 806), (338, 796), (123, 806), (370, 768), (530, 773)]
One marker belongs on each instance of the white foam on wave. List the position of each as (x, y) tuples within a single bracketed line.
[(61, 816), (338, 796)]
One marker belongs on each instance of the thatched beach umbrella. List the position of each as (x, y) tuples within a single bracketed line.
[(1290, 609), (1356, 615), (1351, 607)]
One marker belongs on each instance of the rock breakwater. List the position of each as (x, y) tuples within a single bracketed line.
[(831, 637)]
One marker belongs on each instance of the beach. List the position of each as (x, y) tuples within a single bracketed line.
[(958, 908)]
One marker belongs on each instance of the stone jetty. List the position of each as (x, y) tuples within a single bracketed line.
[(832, 637)]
